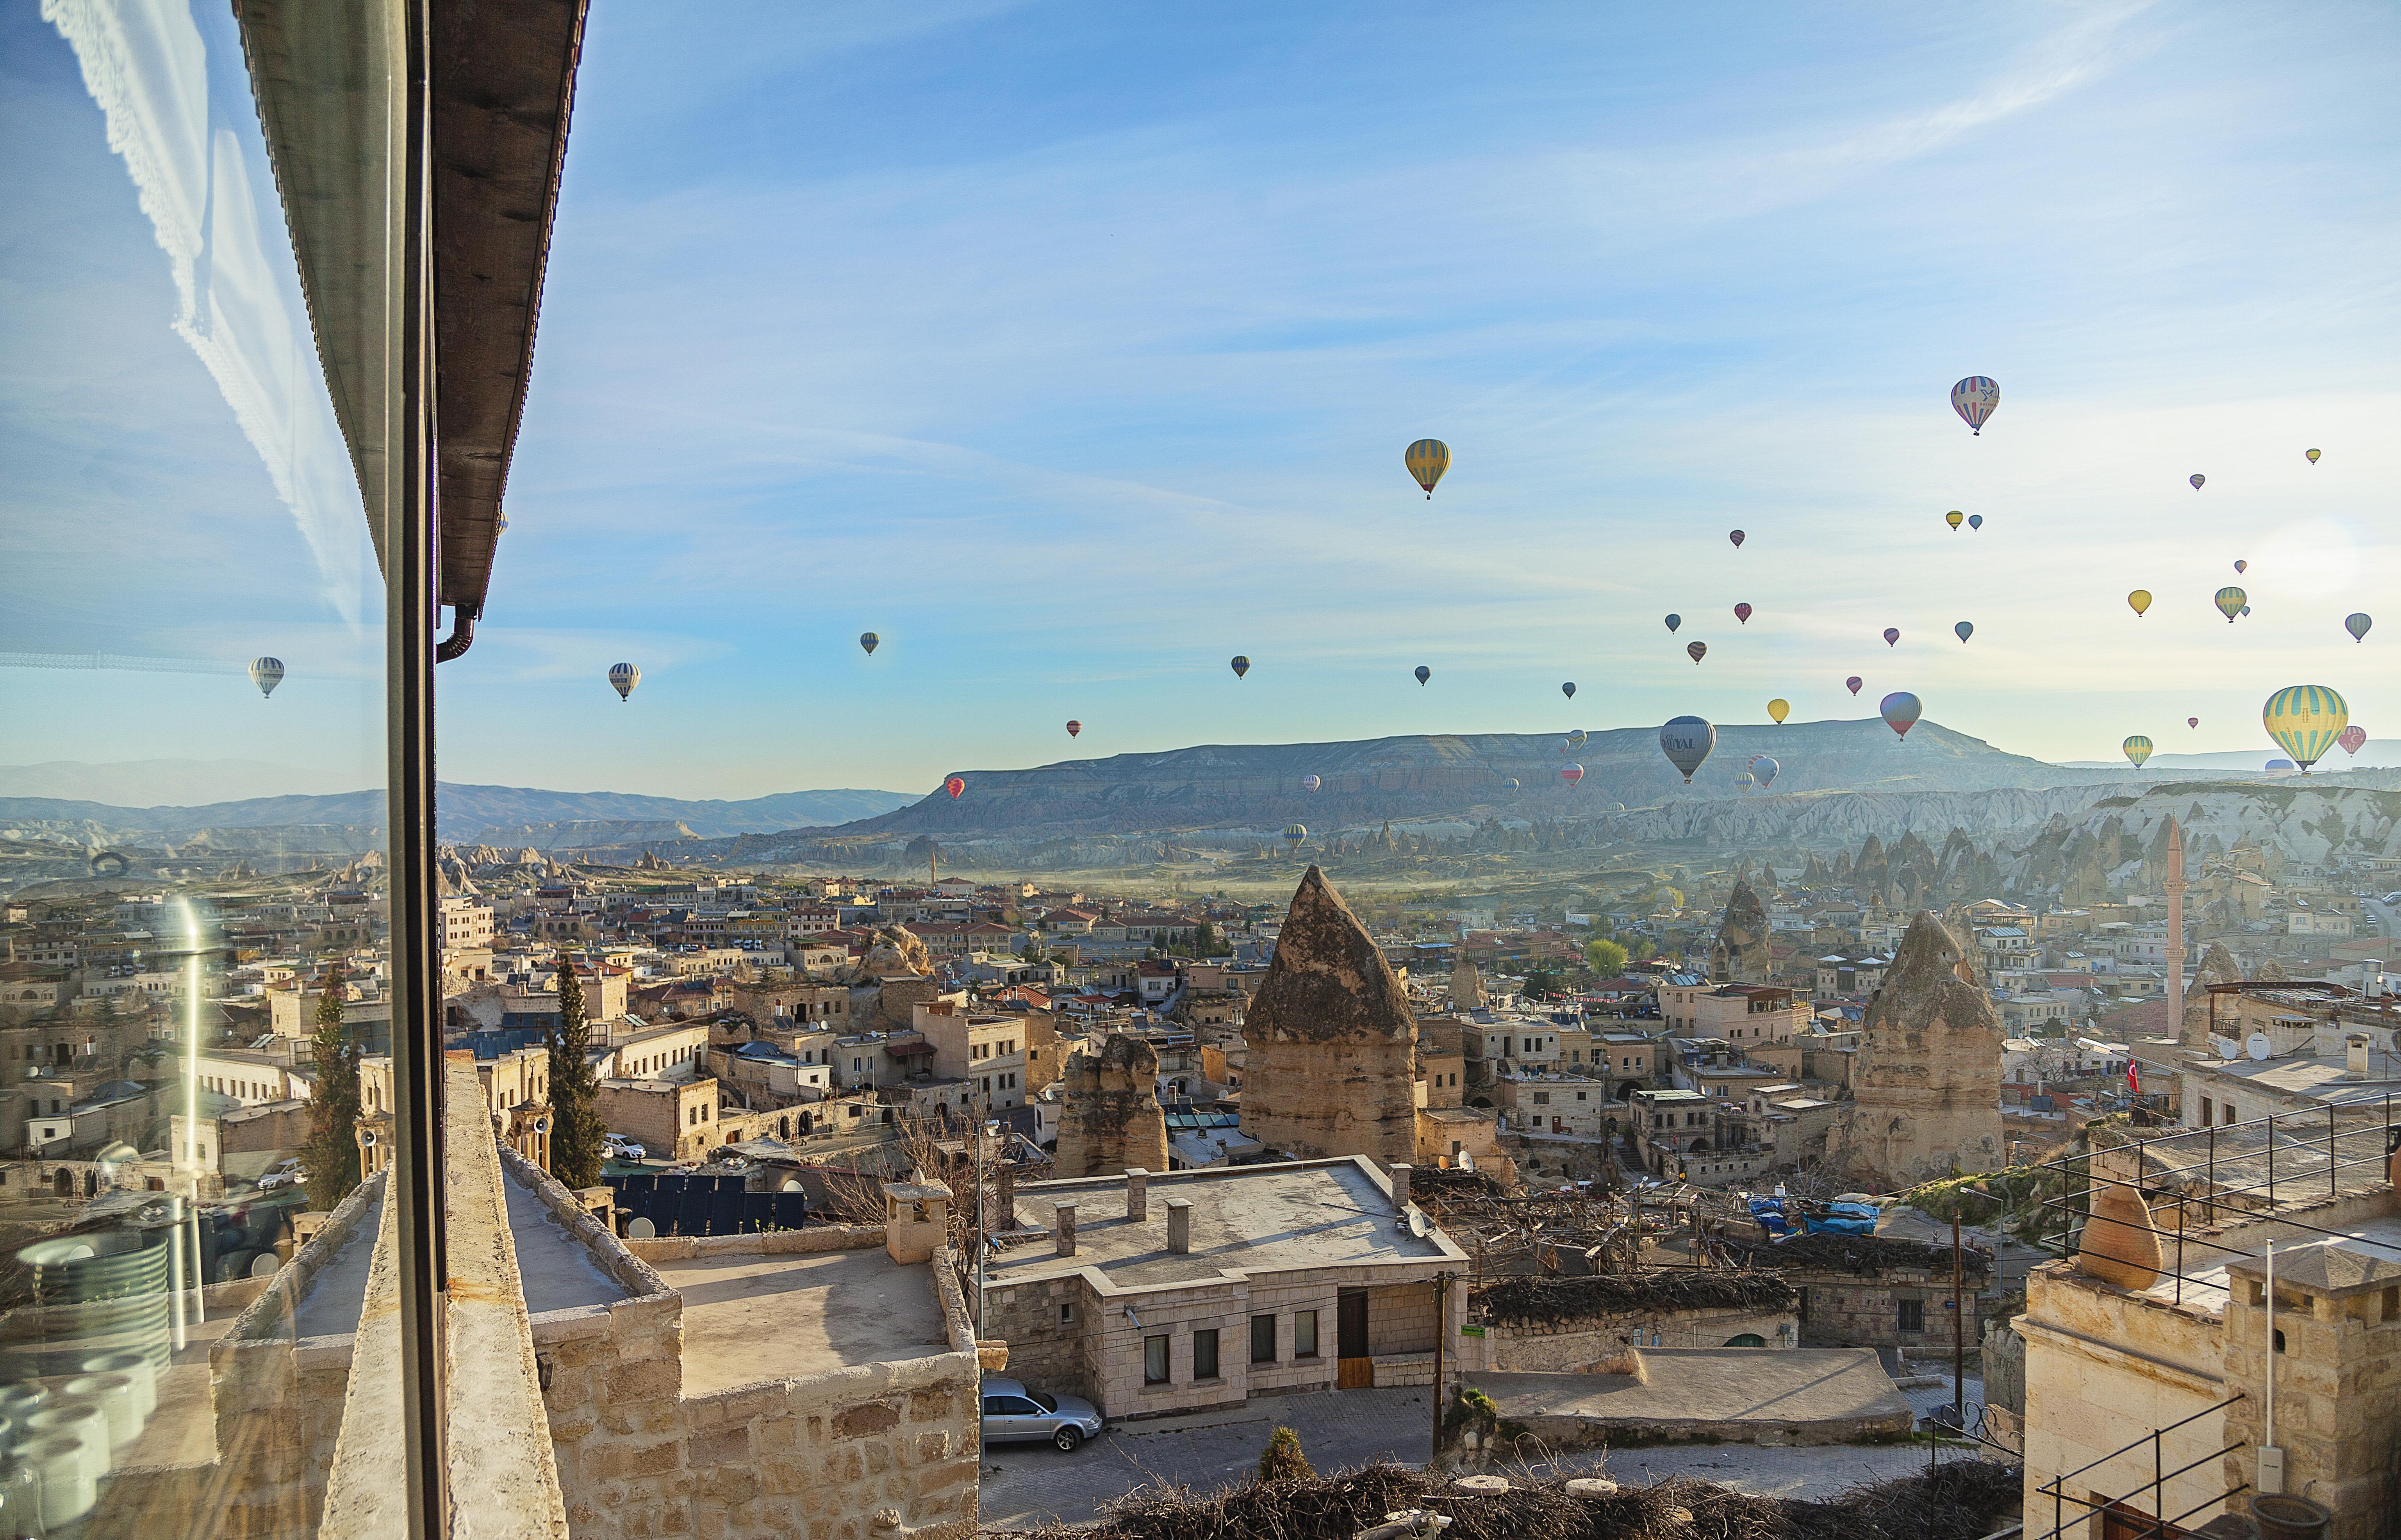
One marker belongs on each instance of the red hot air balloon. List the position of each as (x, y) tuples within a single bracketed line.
[(1892, 635), (1074, 730), (1698, 650), (2353, 739), (957, 785), (1901, 712), (1572, 774), (1737, 536), (1853, 683), (1742, 613)]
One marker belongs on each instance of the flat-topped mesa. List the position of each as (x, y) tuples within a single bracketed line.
[(1927, 1081), (1332, 1039)]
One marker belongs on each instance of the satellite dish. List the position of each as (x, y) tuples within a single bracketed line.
[(792, 1185), (2258, 1045), (265, 1264), (1418, 1225), (2227, 1047), (641, 1230), (1466, 1160)]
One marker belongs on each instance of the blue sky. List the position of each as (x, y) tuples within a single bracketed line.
[(1073, 350)]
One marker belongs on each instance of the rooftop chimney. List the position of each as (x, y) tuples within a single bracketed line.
[(1137, 1193), (1402, 1175), (1063, 1229), (1179, 1225), (2355, 1055)]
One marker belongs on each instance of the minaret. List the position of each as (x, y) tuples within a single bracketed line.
[(2176, 926)]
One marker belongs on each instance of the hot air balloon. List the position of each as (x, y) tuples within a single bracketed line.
[(1074, 730), (1742, 613), (1737, 536), (2246, 609), (870, 641), (624, 677), (1767, 770), (1901, 711), (1686, 740), (1423, 673), (2230, 602), (2279, 766), (2357, 624), (1296, 833), (1853, 683), (2196, 478), (1427, 459), (2241, 567), (957, 785), (1572, 774), (1745, 781), (2353, 739), (2313, 457), (1568, 689), (1242, 665), (501, 525), (1511, 783), (1974, 399), (2305, 720), (1965, 629), (1673, 622), (2192, 721), (2139, 601), (1954, 518), (1892, 635), (1697, 649), (1575, 739), (1310, 782), (1779, 709), (265, 673), (2137, 748), (1975, 521)]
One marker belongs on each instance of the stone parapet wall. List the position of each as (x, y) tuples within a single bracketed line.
[(1575, 1345), (809, 1241)]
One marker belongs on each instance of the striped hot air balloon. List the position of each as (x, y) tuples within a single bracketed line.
[(1853, 684), (1954, 518), (2137, 748), (1242, 665), (1310, 782), (2306, 721), (2232, 602), (1572, 774), (1074, 730), (265, 673), (624, 677), (957, 785), (1974, 399), (1427, 459), (1901, 711)]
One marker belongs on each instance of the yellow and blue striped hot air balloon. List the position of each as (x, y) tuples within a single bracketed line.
[(1427, 459), (2138, 748), (2305, 720)]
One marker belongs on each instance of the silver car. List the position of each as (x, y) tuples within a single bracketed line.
[(1013, 1414)]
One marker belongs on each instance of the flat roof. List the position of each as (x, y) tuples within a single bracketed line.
[(750, 1317), (1246, 1219)]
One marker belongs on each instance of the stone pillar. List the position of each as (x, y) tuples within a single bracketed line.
[(1005, 1196), (1179, 1225), (1137, 1193), (1062, 1233), (1402, 1176)]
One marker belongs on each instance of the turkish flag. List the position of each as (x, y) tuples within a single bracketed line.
[(2134, 1080)]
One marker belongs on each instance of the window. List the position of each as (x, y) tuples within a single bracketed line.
[(1154, 1360), (2208, 1113), (1912, 1315), (1263, 1335), (1067, 1313), (1304, 1334), (1205, 1354)]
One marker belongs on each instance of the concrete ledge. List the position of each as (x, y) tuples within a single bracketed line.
[(1794, 1395), (769, 1243)]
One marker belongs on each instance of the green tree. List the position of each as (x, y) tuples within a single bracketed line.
[(1283, 1460), (576, 1133), (1206, 942), (1606, 958), (330, 1155), (1541, 984)]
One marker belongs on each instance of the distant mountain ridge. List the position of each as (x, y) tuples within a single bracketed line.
[(467, 813)]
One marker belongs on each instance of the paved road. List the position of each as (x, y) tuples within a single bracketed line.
[(1025, 1483)]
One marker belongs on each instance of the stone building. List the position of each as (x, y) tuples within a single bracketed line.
[(1877, 1290), (1332, 1039), (1110, 1119), (1739, 954), (1928, 1085), (1535, 1325)]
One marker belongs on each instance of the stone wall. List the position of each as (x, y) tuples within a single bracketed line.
[(1841, 1310), (1572, 1346)]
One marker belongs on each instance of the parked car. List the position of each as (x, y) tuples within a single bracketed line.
[(283, 1173), (624, 1149), (1013, 1414)]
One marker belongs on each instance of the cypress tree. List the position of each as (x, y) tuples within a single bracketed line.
[(576, 1133), (331, 1155)]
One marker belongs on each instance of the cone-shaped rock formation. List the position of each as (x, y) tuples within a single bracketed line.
[(1110, 1118), (1332, 1039), (1927, 1078)]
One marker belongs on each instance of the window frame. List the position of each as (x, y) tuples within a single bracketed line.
[(1206, 1343), (1161, 1346)]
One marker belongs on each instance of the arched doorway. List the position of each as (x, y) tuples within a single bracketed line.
[(784, 1129), (807, 1122), (1748, 1338), (64, 1182)]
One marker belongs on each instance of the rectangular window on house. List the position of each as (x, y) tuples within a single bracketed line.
[(1912, 1315), (1304, 1334), (1263, 1333), (1205, 1354), (1154, 1360)]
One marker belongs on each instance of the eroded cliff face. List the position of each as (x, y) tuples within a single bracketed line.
[(1110, 1120), (1927, 1081), (1332, 1039)]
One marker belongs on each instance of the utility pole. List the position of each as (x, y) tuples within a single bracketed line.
[(1958, 1328), (1441, 1334)]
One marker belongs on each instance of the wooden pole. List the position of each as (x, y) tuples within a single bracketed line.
[(1958, 1327), (1441, 1332)]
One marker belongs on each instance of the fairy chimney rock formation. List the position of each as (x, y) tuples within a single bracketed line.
[(1739, 954), (1928, 1082), (1110, 1119), (1467, 987), (1332, 1039), (2217, 966)]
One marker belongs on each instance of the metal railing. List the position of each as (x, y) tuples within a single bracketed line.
[(2163, 1525), (2255, 1170)]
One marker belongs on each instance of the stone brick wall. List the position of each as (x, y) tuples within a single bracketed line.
[(1572, 1346), (1842, 1310), (1043, 1351)]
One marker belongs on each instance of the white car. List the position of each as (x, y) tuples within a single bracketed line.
[(285, 1173), (624, 1148)]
